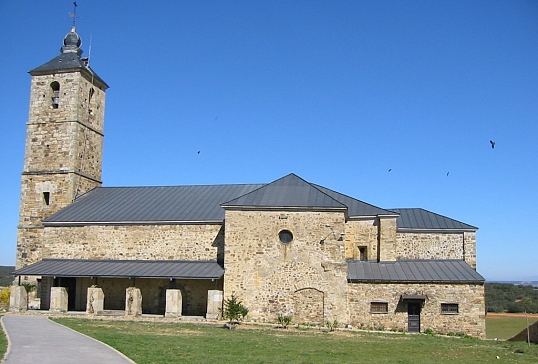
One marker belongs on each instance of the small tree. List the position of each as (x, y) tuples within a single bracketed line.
[(234, 311)]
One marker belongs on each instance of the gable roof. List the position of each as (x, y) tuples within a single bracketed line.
[(207, 203), (455, 271), (287, 192), (357, 208), (419, 219)]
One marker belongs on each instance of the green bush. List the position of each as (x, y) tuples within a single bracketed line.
[(284, 321), (4, 298), (234, 311)]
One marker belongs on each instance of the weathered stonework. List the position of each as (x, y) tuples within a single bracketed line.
[(63, 155), (269, 276), (470, 298), (18, 299), (146, 242)]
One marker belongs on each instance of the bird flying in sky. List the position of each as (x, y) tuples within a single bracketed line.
[(492, 144)]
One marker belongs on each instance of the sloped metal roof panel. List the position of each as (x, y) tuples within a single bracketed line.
[(356, 208), (413, 271), (149, 204), (288, 191), (420, 219), (175, 269)]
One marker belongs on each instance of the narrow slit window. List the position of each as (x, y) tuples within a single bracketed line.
[(46, 198), (55, 94), (362, 253)]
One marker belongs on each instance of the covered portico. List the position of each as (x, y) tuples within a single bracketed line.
[(153, 278)]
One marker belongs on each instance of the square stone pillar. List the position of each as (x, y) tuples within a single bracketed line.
[(96, 300), (58, 299), (18, 299), (214, 304), (133, 302), (174, 303)]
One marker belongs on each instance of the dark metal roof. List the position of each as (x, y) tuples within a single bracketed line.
[(206, 204), (69, 60), (454, 271), (123, 269), (289, 191), (420, 219), (149, 205), (355, 207)]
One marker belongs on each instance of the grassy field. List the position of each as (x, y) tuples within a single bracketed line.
[(504, 326), (151, 342), (3, 343)]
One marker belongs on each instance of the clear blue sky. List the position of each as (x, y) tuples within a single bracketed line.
[(338, 92)]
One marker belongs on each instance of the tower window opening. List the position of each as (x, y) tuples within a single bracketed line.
[(55, 95), (362, 253), (46, 198)]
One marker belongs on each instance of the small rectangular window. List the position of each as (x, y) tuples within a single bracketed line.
[(46, 198), (362, 253), (449, 308), (379, 307)]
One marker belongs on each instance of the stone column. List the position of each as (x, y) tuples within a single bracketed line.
[(18, 299), (174, 303), (214, 304), (58, 299), (133, 302), (96, 300)]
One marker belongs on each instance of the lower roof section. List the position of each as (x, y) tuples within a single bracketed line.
[(413, 271), (170, 269)]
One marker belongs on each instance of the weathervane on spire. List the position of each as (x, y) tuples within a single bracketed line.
[(74, 13)]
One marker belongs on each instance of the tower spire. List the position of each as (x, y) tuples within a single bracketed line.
[(74, 13)]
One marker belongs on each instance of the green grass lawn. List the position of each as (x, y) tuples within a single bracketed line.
[(504, 327), (153, 342), (3, 343)]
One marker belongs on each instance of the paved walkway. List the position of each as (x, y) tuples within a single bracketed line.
[(36, 339)]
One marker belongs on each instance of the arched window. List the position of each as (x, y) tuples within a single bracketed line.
[(55, 94), (90, 96)]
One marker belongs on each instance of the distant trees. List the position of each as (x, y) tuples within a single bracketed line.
[(505, 297)]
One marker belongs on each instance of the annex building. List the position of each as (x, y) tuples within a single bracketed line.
[(287, 247)]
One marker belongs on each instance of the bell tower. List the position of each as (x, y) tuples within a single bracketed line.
[(64, 142)]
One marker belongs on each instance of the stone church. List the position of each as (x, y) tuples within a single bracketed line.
[(288, 247)]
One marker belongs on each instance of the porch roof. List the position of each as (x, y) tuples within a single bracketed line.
[(453, 271), (170, 269)]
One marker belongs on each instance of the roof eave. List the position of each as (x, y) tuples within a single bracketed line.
[(137, 222), (446, 231)]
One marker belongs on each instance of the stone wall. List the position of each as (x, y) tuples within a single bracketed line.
[(146, 242), (361, 233), (430, 245), (63, 154), (271, 277), (469, 320)]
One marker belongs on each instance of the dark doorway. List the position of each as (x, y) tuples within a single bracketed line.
[(413, 316), (70, 285)]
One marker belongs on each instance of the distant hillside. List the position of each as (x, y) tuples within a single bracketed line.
[(505, 297), (5, 277)]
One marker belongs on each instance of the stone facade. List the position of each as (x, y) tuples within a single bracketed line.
[(470, 298), (63, 155), (268, 275), (148, 242)]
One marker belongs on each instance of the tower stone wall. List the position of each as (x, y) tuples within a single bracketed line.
[(64, 143)]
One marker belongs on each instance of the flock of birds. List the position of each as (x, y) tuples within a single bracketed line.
[(447, 173)]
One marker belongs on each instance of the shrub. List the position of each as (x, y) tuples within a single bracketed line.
[(284, 321), (4, 298), (234, 311)]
